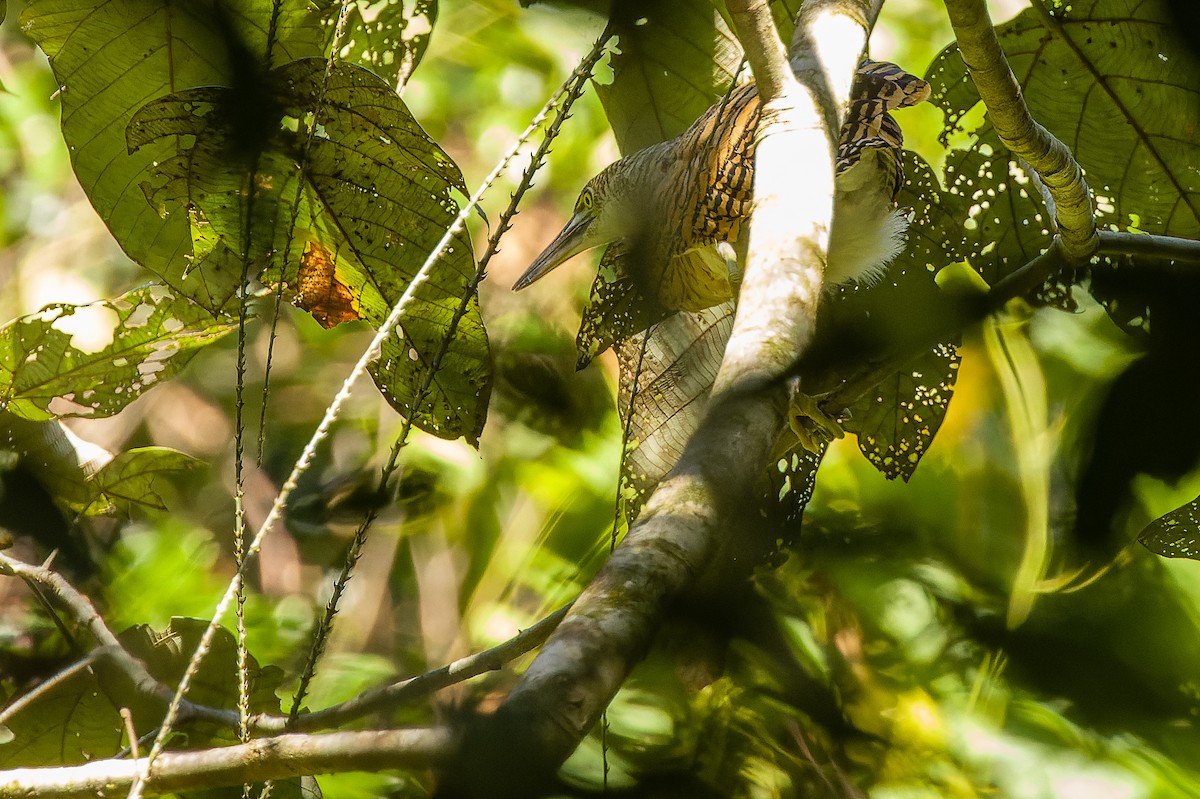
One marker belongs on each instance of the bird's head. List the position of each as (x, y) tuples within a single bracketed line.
[(601, 217)]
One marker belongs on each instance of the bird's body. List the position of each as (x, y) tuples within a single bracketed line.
[(670, 204)]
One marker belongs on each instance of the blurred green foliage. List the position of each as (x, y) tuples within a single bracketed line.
[(883, 658)]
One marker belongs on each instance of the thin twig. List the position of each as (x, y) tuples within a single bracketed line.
[(376, 700)]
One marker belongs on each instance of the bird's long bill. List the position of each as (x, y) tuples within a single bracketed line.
[(569, 242)]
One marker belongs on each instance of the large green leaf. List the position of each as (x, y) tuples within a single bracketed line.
[(128, 480), (1109, 79), (145, 336), (347, 205), (111, 57), (677, 57), (895, 422), (666, 375), (84, 478)]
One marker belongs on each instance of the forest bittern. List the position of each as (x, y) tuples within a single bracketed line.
[(675, 201)]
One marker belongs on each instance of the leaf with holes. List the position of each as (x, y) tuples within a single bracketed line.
[(93, 360), (1175, 535), (112, 56), (1110, 79), (347, 206), (666, 374), (616, 309), (791, 480), (896, 423), (389, 37)]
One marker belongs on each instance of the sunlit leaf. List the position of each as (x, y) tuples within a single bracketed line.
[(93, 360), (344, 215), (111, 57), (389, 37), (1175, 535), (666, 374), (128, 480), (1110, 79)]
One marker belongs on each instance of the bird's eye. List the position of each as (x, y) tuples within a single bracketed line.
[(585, 202)]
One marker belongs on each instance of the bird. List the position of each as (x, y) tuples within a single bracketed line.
[(672, 205)]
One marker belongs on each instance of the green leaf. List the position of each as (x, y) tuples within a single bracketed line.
[(664, 387), (1110, 79), (896, 422), (677, 58), (343, 217), (71, 723), (78, 719), (389, 37), (166, 655), (1175, 535), (128, 480), (111, 57), (84, 478), (95, 359), (616, 308)]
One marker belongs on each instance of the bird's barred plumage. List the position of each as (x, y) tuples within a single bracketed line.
[(673, 201)]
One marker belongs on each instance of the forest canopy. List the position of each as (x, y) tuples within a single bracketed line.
[(931, 534)]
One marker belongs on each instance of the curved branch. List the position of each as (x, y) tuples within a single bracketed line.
[(257, 761), (687, 521), (372, 701), (1018, 130)]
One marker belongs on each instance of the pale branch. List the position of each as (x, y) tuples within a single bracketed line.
[(322, 431), (687, 520), (259, 760), (376, 700), (1020, 133), (85, 614)]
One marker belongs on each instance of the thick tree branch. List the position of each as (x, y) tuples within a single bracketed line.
[(264, 759), (376, 700), (688, 519), (1018, 130)]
